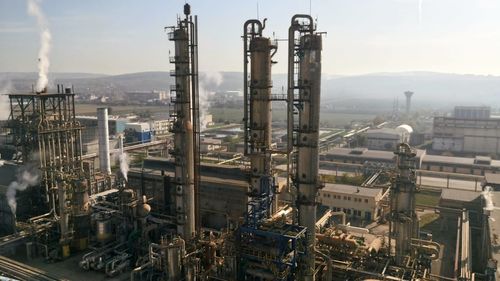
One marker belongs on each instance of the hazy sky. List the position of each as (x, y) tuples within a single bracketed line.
[(364, 36)]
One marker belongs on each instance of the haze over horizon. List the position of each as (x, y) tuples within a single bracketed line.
[(368, 36)]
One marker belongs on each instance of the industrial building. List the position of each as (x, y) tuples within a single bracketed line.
[(387, 138), (223, 190), (138, 132), (479, 165), (492, 180), (176, 218), (472, 112), (466, 135), (355, 201)]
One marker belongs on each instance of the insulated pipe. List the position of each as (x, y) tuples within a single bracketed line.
[(103, 132), (138, 269)]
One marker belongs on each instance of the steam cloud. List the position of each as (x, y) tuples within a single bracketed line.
[(26, 177), (488, 198), (5, 88), (123, 161), (45, 40), (209, 80)]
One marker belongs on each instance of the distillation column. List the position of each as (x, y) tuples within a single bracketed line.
[(257, 97), (404, 221), (305, 54), (184, 139)]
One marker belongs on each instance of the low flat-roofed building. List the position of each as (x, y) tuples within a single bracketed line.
[(364, 155), (387, 138), (355, 201), (461, 199), (210, 144), (492, 180), (466, 135), (382, 139), (478, 165)]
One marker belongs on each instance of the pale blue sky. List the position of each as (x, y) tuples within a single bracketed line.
[(364, 36)]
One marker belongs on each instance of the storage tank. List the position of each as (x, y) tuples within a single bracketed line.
[(104, 229)]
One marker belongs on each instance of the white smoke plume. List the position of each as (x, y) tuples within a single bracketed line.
[(26, 177), (5, 89), (488, 198), (208, 83), (124, 162), (45, 41)]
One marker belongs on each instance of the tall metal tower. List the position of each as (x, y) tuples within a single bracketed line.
[(403, 218), (266, 249), (304, 90), (184, 98), (408, 96), (44, 126), (258, 51)]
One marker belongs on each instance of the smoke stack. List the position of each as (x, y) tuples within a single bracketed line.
[(103, 132), (408, 95)]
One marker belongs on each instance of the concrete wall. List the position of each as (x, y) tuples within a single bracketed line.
[(466, 135), (349, 203)]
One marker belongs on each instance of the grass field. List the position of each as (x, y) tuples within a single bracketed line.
[(427, 219), (427, 198)]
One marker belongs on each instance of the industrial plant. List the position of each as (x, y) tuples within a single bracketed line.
[(171, 208)]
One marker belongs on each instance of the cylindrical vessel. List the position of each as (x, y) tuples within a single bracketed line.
[(175, 252), (103, 131), (184, 138), (260, 110), (307, 177), (104, 230)]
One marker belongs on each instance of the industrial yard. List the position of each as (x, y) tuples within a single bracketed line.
[(172, 184)]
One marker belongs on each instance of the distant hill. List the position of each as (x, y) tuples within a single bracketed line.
[(435, 89), (429, 87)]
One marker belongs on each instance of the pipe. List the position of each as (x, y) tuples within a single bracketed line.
[(283, 213), (103, 131), (138, 269), (329, 266)]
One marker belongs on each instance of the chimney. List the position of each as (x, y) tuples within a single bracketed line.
[(103, 136)]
